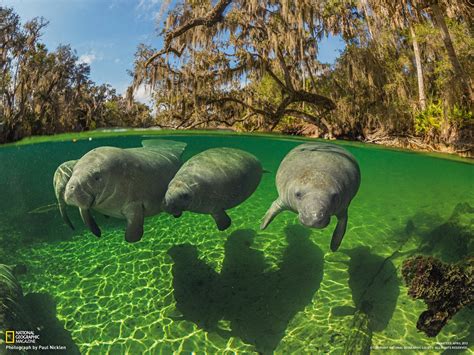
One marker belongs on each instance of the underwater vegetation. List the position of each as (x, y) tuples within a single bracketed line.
[(359, 338), (33, 311), (375, 289), (256, 304), (445, 288), (12, 314)]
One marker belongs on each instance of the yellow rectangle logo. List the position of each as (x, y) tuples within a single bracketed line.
[(10, 337)]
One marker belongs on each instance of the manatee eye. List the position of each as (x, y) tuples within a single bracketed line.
[(298, 194), (185, 196), (96, 176)]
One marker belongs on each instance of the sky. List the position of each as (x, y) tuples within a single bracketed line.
[(106, 33)]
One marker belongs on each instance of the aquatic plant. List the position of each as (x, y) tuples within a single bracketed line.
[(11, 298), (359, 339), (445, 288)]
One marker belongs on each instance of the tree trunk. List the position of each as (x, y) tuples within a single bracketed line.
[(419, 70), (458, 71)]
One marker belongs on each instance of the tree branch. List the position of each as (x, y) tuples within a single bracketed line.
[(240, 102), (303, 115), (283, 66), (213, 17)]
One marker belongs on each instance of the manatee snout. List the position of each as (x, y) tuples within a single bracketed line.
[(75, 195), (177, 199), (314, 211), (314, 219)]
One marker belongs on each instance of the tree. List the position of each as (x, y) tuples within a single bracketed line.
[(210, 51), (44, 92)]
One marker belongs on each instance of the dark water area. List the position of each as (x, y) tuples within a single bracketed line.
[(188, 287)]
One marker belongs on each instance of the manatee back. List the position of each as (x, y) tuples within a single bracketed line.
[(167, 148), (131, 175), (223, 177), (321, 164)]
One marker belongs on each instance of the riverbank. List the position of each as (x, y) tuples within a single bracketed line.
[(407, 144)]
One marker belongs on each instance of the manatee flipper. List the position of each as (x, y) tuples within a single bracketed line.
[(222, 219), (276, 207), (135, 219), (340, 230), (89, 221)]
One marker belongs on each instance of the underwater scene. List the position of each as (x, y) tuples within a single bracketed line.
[(187, 286)]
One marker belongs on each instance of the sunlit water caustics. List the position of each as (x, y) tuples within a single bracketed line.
[(188, 287)]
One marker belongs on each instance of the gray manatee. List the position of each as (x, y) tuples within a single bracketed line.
[(124, 183), (61, 177), (212, 182), (316, 180)]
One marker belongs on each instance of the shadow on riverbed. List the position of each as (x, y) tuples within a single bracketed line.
[(258, 304), (42, 312), (450, 241), (375, 286)]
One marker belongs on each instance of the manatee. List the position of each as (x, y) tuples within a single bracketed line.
[(212, 182), (123, 183), (317, 181), (61, 178)]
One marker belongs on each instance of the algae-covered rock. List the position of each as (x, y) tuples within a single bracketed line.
[(445, 288), (359, 339)]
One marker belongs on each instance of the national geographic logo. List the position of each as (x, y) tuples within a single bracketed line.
[(21, 337), (10, 337)]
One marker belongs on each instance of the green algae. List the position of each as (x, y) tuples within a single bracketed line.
[(117, 297)]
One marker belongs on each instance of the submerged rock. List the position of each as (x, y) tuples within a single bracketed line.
[(445, 288)]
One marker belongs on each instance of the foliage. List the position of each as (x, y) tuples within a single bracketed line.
[(210, 51), (45, 92), (248, 64), (429, 119)]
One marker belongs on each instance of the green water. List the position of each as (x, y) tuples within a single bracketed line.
[(241, 290)]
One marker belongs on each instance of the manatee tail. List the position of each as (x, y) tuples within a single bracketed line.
[(173, 148)]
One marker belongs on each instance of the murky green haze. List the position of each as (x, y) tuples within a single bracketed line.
[(243, 289)]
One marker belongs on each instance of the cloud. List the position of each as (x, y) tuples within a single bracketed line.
[(148, 4), (87, 58), (117, 60), (152, 10)]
